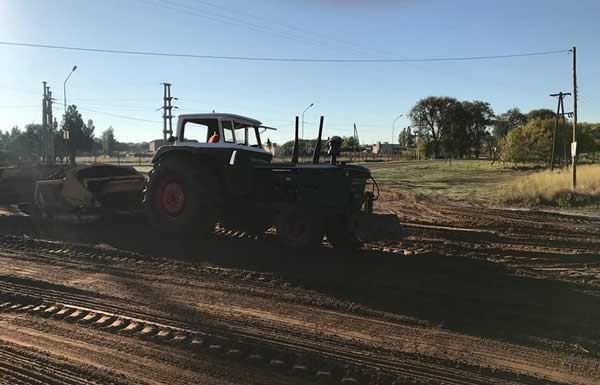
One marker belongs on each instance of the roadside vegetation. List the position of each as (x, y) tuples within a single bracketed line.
[(552, 188), (25, 145)]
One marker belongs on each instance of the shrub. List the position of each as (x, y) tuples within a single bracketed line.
[(553, 189)]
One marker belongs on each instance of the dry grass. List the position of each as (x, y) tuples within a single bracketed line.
[(554, 188)]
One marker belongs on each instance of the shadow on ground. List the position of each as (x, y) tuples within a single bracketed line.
[(459, 293)]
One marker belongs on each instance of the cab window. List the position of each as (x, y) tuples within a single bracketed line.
[(253, 138), (228, 134), (198, 130), (246, 135)]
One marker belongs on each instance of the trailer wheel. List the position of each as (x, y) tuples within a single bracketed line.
[(180, 197), (342, 233), (300, 228)]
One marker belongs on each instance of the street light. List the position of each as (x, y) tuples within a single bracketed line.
[(312, 104), (65, 130), (394, 127), (65, 87)]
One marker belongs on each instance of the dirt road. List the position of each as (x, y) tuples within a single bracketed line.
[(470, 295)]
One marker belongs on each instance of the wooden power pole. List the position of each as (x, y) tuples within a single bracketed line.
[(44, 121), (574, 143)]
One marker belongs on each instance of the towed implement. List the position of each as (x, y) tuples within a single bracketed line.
[(87, 193)]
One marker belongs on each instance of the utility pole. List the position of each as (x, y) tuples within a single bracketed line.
[(44, 120), (50, 157), (560, 111), (167, 112), (574, 143)]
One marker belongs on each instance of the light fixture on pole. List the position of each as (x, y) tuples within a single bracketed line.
[(65, 87), (306, 109), (394, 127), (66, 132)]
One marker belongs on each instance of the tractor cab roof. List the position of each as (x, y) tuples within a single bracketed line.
[(238, 118)]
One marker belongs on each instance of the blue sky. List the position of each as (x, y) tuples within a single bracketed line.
[(371, 95)]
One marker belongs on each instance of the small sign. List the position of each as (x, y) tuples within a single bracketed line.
[(573, 148)]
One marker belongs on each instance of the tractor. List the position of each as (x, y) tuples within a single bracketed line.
[(216, 171)]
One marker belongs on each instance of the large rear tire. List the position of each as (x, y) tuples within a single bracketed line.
[(300, 228), (181, 197)]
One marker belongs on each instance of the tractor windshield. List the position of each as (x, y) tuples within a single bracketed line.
[(246, 135)]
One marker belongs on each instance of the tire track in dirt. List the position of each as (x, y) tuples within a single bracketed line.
[(120, 259), (20, 367), (331, 364), (327, 363)]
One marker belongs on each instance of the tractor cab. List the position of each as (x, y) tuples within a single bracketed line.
[(229, 132)]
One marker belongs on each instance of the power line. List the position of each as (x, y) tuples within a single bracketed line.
[(244, 21), (275, 59), (21, 106), (114, 115)]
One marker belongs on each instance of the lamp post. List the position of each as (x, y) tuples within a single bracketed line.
[(65, 87), (306, 109), (66, 131), (394, 131)]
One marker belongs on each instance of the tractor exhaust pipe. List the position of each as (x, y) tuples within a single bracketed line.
[(295, 150), (317, 153)]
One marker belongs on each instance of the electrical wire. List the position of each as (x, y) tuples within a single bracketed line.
[(276, 59), (244, 20), (114, 115)]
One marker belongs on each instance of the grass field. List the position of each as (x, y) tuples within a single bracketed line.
[(476, 180), (464, 179)]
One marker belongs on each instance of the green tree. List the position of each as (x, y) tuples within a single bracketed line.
[(541, 114), (508, 121), (60, 145), (305, 147), (31, 142), (406, 137), (109, 143), (478, 117), (436, 117), (349, 143), (23, 146), (87, 136), (588, 139), (531, 142), (73, 124)]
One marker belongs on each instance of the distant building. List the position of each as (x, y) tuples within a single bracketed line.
[(386, 148), (155, 144)]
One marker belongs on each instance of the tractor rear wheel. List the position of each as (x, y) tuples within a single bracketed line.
[(300, 228), (342, 233), (180, 197)]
